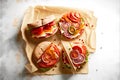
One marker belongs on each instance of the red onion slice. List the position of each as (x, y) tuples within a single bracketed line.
[(46, 58), (79, 60), (77, 57), (74, 54)]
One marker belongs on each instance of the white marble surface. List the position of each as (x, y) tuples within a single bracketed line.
[(104, 64)]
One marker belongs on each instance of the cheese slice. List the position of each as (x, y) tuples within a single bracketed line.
[(53, 30), (68, 49)]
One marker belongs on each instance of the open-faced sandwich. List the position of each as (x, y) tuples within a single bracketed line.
[(71, 25), (74, 55), (43, 28), (45, 55)]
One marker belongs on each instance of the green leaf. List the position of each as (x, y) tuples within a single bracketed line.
[(44, 69)]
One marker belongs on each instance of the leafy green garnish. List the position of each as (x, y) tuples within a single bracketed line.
[(44, 69)]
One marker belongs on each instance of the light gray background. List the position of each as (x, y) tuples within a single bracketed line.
[(104, 64)]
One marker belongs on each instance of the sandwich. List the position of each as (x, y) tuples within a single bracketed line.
[(74, 55), (43, 28), (45, 55)]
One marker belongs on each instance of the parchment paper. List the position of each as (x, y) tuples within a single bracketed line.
[(35, 13)]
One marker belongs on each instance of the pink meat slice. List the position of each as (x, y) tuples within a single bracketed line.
[(64, 27)]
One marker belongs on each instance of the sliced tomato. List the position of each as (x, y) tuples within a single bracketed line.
[(42, 64), (37, 31), (77, 15), (49, 26), (72, 15), (66, 18), (77, 48), (84, 49), (46, 65), (73, 18), (52, 63), (46, 28)]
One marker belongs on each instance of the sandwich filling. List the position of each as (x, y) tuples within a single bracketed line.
[(43, 28), (49, 57), (71, 25)]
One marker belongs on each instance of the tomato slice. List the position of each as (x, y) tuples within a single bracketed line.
[(77, 15), (42, 64), (84, 49), (49, 64), (37, 31), (73, 18), (77, 48), (66, 18), (52, 63), (72, 15), (49, 26)]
